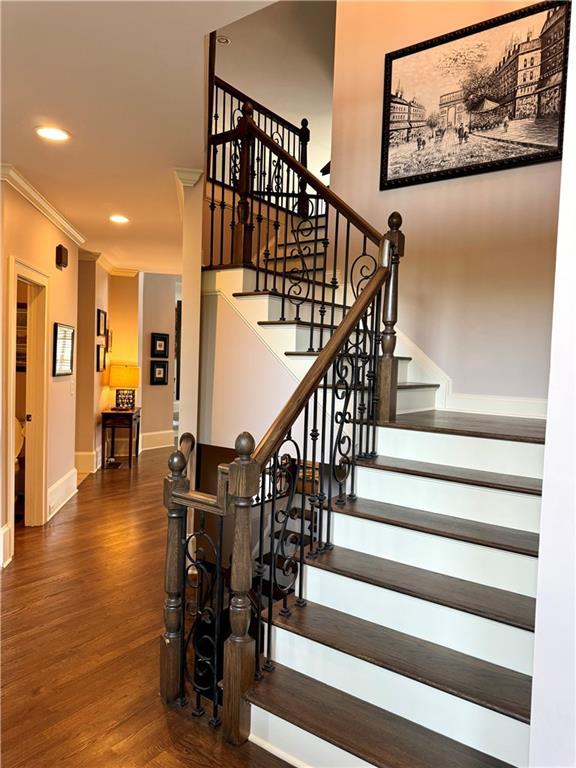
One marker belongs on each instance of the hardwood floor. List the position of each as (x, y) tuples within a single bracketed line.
[(81, 618)]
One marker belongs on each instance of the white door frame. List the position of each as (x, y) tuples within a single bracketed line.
[(36, 394)]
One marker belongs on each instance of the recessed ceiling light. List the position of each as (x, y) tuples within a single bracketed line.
[(223, 40), (52, 134), (117, 218)]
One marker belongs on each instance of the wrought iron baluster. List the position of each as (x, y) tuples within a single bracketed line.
[(260, 573), (346, 275), (313, 496), (302, 482), (322, 311), (273, 468), (334, 280)]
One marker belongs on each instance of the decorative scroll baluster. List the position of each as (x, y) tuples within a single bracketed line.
[(389, 364), (303, 204), (239, 648)]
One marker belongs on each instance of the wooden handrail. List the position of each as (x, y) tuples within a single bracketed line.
[(325, 192), (259, 107), (288, 415)]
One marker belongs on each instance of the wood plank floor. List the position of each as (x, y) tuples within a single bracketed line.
[(81, 617)]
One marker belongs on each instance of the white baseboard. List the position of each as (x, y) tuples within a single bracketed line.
[(6, 545), (88, 462), (62, 491), (164, 439)]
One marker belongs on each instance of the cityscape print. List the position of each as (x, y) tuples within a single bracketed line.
[(485, 98)]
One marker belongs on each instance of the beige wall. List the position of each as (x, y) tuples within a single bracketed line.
[(93, 394), (158, 316), (123, 318), (476, 284), (31, 238)]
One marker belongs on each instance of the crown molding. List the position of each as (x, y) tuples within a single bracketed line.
[(186, 178), (106, 264), (10, 175)]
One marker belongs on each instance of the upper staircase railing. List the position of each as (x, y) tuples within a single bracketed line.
[(279, 495)]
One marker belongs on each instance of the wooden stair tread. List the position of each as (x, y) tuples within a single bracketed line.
[(473, 425), (517, 483), (467, 596), (488, 685), (372, 734), (417, 385), (471, 531), (315, 354), (299, 324), (280, 295)]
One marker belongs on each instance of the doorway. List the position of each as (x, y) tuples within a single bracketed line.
[(27, 397)]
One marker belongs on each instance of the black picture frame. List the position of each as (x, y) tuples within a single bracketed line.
[(101, 322), (522, 124), (159, 345), (63, 350), (100, 357), (158, 372)]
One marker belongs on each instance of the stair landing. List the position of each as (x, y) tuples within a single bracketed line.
[(497, 427)]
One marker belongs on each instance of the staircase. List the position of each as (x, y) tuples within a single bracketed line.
[(384, 561)]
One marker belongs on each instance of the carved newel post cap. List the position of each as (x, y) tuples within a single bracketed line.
[(177, 463), (244, 445), (247, 109), (304, 122), (394, 220)]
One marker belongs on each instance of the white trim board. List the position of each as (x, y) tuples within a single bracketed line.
[(62, 491), (12, 176), (6, 545), (163, 439)]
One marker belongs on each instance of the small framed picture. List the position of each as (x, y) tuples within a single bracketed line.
[(159, 345), (63, 352), (100, 357), (100, 322), (108, 340), (158, 372)]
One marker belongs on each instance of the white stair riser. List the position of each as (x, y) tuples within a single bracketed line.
[(486, 639), (472, 562), (486, 505), (297, 746), (505, 456), (498, 735), (414, 400), (301, 366)]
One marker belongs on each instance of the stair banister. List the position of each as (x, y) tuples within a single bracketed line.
[(389, 363), (288, 415)]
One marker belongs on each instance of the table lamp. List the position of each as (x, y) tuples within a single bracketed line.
[(124, 379)]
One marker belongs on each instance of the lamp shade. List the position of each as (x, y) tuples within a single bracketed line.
[(124, 376)]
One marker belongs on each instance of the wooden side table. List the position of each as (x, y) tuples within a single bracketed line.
[(113, 420)]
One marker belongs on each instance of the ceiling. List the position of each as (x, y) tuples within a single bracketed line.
[(127, 80)]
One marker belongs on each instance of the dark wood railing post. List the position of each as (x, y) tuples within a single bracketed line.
[(388, 377), (239, 648), (172, 640), (302, 196), (245, 226)]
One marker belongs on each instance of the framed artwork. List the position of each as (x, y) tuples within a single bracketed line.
[(100, 322), (100, 357), (63, 350), (108, 340), (21, 336), (480, 99), (158, 372), (160, 343)]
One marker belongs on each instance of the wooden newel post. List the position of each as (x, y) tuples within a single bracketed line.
[(303, 200), (245, 226), (172, 640), (239, 648), (388, 378)]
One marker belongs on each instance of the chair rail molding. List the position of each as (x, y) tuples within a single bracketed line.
[(12, 176)]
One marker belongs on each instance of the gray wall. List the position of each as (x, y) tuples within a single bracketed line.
[(476, 284)]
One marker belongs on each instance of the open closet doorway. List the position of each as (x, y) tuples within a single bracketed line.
[(27, 393)]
